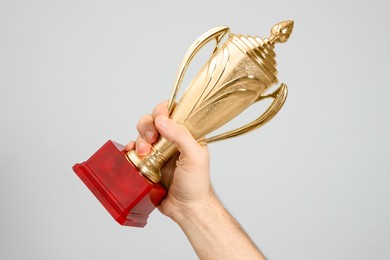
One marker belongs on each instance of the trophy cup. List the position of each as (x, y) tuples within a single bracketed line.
[(238, 74)]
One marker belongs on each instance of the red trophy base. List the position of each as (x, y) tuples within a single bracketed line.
[(127, 195)]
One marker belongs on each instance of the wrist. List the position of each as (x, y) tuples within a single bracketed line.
[(212, 231), (195, 210)]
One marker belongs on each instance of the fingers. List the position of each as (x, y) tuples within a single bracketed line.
[(148, 133), (142, 147), (180, 136), (160, 109), (146, 129), (130, 146)]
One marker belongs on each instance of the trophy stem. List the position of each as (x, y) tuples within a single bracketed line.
[(150, 165)]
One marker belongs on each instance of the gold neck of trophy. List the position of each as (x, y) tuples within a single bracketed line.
[(238, 74)]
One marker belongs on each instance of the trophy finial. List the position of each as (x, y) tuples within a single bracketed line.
[(280, 32)]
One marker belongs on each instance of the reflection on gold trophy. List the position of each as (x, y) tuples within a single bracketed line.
[(238, 74)]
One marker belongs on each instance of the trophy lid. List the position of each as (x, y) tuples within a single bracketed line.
[(261, 51), (280, 32)]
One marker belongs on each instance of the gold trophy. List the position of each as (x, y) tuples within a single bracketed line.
[(238, 74)]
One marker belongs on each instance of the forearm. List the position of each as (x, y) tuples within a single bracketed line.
[(214, 233), (191, 202)]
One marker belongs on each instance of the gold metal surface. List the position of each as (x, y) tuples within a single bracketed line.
[(215, 33), (238, 74)]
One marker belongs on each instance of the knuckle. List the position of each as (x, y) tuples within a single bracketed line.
[(144, 122), (161, 108)]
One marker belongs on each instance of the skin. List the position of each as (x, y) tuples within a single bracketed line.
[(191, 201)]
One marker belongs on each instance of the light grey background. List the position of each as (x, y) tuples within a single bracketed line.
[(312, 184)]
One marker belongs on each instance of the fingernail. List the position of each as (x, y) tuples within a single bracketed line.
[(149, 135), (140, 147)]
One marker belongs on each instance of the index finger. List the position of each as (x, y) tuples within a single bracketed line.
[(161, 109)]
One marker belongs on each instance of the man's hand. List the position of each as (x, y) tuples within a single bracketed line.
[(187, 173), (191, 202)]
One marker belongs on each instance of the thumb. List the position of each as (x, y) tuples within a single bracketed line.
[(177, 134)]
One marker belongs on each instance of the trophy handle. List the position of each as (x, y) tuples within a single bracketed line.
[(216, 33), (279, 97)]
